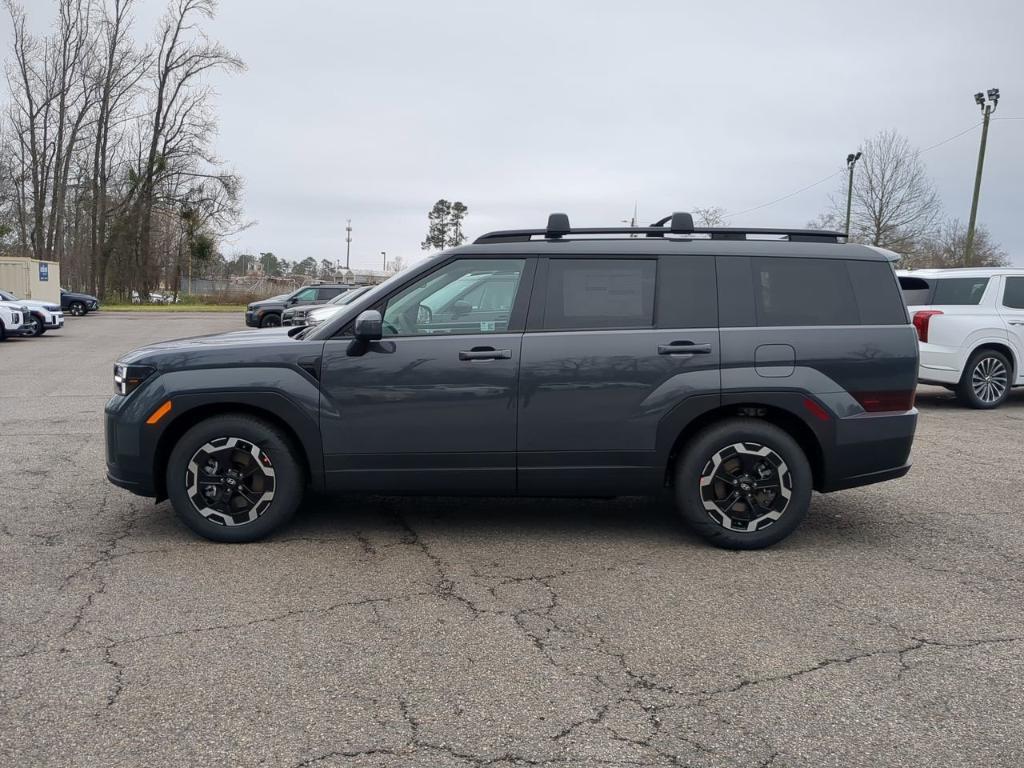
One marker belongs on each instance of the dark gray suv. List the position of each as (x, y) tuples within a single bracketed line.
[(742, 369)]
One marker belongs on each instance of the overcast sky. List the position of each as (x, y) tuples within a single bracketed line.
[(373, 110)]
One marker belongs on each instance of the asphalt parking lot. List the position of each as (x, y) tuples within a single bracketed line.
[(888, 631)]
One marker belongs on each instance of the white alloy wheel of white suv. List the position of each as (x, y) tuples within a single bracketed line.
[(970, 323)]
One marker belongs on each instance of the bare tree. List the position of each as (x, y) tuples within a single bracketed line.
[(895, 204), (715, 216), (947, 247), (181, 125), (51, 97), (117, 80)]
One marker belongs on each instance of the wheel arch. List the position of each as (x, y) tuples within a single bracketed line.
[(780, 416), (189, 418), (996, 346)]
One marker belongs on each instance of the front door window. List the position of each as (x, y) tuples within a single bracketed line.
[(468, 296)]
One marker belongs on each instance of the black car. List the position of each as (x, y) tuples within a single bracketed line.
[(741, 368), (78, 304), (267, 313)]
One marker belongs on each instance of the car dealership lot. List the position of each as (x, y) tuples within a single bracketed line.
[(888, 630)]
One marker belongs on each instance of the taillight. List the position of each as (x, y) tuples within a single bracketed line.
[(921, 321), (875, 402)]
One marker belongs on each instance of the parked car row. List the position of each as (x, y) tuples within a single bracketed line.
[(28, 317)]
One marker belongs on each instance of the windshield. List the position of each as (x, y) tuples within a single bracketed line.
[(349, 295)]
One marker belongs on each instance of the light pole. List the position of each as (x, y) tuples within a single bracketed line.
[(385, 255), (988, 102), (851, 161), (348, 241)]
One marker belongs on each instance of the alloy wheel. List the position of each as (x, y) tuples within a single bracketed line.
[(230, 481), (989, 380), (746, 487)]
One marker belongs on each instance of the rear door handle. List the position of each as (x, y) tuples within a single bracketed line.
[(485, 353), (684, 348), (1016, 322)]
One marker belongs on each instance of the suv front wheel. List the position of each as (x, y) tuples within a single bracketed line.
[(743, 484), (986, 380), (234, 478)]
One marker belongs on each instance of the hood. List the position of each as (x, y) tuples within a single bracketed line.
[(49, 306), (18, 305), (267, 302), (73, 295), (235, 347)]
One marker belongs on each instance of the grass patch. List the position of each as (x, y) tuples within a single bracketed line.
[(172, 307)]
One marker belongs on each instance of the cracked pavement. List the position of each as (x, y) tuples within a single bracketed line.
[(484, 632)]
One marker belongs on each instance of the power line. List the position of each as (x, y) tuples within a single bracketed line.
[(946, 141), (791, 194), (842, 170)]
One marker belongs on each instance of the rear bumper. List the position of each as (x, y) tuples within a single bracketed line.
[(869, 448), (939, 365)]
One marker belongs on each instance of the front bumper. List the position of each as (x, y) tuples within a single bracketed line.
[(56, 321), (94, 306), (25, 329), (252, 319), (129, 449)]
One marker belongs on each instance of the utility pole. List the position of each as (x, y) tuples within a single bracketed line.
[(385, 255), (348, 241), (988, 106), (851, 160)]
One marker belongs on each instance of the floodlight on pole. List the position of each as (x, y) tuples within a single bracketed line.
[(987, 102), (851, 161)]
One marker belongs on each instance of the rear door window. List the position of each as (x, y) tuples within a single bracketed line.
[(959, 291), (586, 294), (687, 297)]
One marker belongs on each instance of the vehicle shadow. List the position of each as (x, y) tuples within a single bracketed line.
[(633, 520), (929, 397)]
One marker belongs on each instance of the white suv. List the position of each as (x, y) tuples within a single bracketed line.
[(970, 323), (43, 315), (15, 320)]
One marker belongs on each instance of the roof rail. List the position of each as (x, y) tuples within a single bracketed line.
[(677, 224)]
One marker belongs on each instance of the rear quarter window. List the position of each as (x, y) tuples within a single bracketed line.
[(916, 291), (959, 291), (791, 291), (1013, 294)]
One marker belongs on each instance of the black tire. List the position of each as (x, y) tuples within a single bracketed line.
[(276, 452), (784, 460), (272, 320), (77, 309), (38, 329), (986, 380), (3, 331)]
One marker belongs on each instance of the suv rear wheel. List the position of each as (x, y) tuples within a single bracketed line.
[(986, 380), (234, 478), (743, 484)]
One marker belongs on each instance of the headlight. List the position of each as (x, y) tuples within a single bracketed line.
[(128, 378)]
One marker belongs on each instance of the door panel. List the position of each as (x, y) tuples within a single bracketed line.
[(590, 403), (414, 414), (1011, 308)]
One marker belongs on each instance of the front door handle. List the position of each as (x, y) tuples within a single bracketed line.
[(684, 348), (485, 353)]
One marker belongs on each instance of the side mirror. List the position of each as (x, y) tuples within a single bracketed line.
[(369, 326), (461, 308)]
